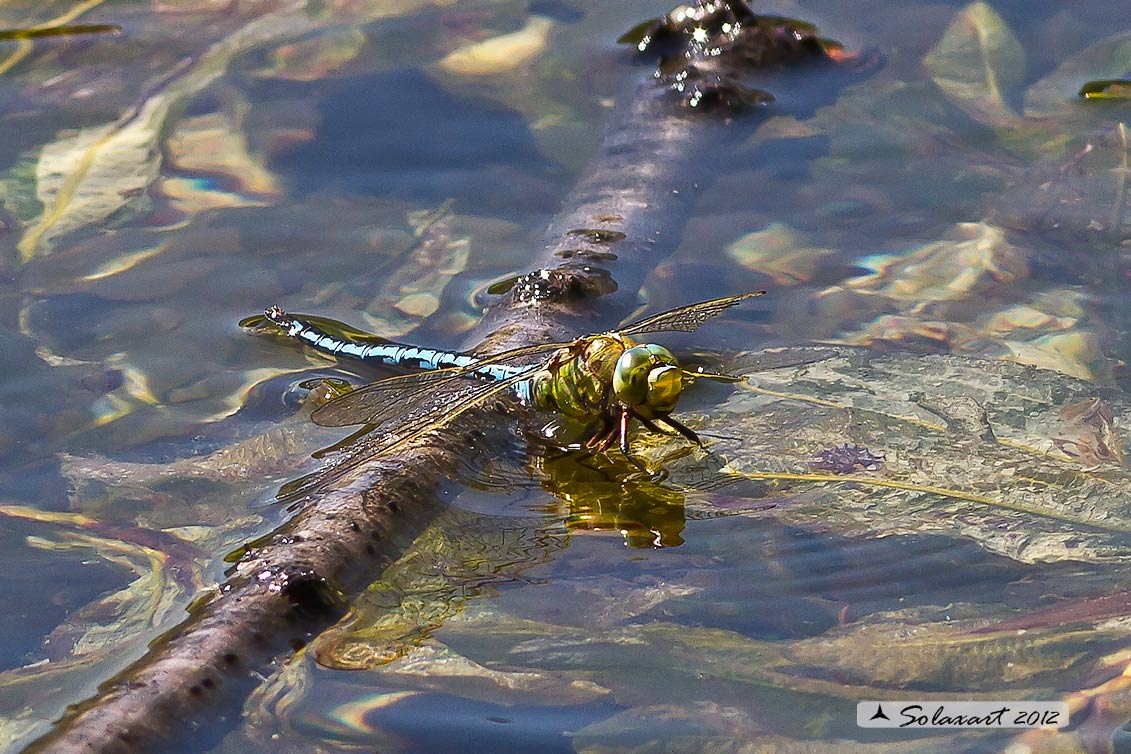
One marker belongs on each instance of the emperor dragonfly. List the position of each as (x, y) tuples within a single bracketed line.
[(602, 380)]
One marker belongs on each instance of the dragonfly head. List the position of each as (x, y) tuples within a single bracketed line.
[(647, 379)]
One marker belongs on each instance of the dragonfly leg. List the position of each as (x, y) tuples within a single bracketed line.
[(689, 434), (626, 415), (608, 440), (623, 426), (604, 438), (650, 425)]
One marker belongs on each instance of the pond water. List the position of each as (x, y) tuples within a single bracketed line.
[(168, 168)]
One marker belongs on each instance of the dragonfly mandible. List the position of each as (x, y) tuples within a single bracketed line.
[(604, 381)]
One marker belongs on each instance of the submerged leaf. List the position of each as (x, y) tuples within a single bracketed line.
[(973, 260), (413, 291), (89, 177), (317, 57), (84, 178), (1025, 462), (976, 61), (213, 149), (778, 251), (461, 556), (502, 53)]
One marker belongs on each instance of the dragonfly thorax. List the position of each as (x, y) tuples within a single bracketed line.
[(578, 380), (595, 374)]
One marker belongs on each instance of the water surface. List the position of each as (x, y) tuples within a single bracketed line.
[(169, 168)]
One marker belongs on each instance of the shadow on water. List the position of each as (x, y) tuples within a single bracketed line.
[(422, 143)]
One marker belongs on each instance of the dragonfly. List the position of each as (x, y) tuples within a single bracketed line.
[(603, 381)]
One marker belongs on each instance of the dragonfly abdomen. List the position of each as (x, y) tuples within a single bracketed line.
[(386, 353), (413, 357), (389, 353)]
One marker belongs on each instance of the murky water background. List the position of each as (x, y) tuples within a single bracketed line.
[(381, 164)]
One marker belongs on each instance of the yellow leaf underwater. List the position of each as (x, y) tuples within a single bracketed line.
[(502, 53), (84, 178), (977, 60)]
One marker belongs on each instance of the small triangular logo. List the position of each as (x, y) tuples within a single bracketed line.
[(879, 714)]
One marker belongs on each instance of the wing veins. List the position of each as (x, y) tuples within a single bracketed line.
[(415, 427), (380, 401), (687, 318)]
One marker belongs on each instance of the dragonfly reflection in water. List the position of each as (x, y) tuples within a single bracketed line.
[(603, 381)]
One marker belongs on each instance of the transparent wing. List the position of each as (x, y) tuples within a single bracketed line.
[(687, 318), (426, 418), (384, 400)]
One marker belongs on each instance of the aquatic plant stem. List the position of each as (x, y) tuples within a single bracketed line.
[(25, 46)]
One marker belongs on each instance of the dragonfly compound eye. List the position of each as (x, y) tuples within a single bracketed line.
[(648, 379), (665, 383)]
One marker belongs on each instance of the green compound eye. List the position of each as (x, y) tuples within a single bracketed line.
[(664, 386), (648, 379)]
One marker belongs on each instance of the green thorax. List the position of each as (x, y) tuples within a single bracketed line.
[(578, 380)]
